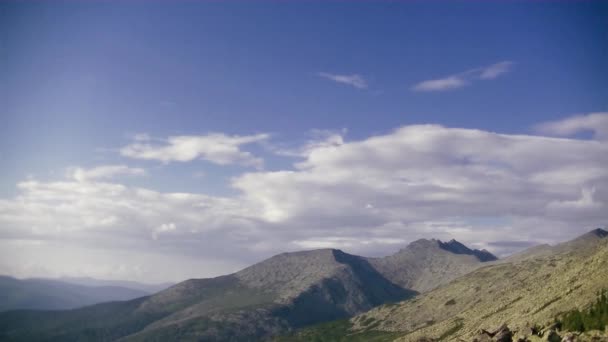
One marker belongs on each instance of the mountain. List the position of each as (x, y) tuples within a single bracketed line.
[(458, 248), (426, 264), (86, 281), (285, 292), (532, 289), (46, 294)]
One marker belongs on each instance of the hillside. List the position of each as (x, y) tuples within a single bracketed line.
[(47, 294), (533, 288), (282, 293)]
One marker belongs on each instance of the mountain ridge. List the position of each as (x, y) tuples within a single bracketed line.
[(282, 293), (290, 291), (50, 294)]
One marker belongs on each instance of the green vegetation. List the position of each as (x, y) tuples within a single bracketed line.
[(595, 317), (337, 331)]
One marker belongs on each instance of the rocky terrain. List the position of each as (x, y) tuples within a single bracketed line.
[(286, 292), (527, 290)]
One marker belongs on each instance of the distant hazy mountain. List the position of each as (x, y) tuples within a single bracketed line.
[(46, 294), (149, 288), (528, 290), (285, 292)]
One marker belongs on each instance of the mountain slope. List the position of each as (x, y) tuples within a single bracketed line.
[(426, 264), (46, 294), (277, 295), (287, 291), (525, 291)]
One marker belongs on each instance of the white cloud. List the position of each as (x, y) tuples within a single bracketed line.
[(495, 70), (369, 196), (163, 228), (318, 138), (104, 172), (593, 122), (217, 148), (353, 80), (450, 82), (465, 78)]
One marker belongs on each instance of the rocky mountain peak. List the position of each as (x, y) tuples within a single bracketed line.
[(599, 232), (459, 248)]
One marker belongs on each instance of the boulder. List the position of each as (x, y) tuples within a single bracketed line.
[(569, 337), (503, 334), (551, 336)]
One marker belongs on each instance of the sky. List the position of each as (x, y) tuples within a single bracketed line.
[(160, 141)]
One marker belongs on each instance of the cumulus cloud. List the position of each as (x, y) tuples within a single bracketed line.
[(353, 80), (217, 148), (103, 222), (104, 172), (368, 196), (593, 122), (465, 78)]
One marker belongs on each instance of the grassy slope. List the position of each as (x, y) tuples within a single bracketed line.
[(338, 331), (528, 291)]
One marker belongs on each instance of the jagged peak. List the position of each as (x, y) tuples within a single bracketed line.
[(457, 247), (595, 234), (599, 232)]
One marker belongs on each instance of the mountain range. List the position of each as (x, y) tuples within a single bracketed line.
[(425, 289), (51, 294)]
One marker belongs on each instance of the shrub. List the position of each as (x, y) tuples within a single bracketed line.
[(595, 317)]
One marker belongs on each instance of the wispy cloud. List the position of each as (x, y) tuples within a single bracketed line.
[(353, 80), (495, 70), (217, 148), (464, 78)]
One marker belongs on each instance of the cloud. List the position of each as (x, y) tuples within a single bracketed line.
[(495, 70), (593, 122), (450, 82), (217, 148), (369, 196), (104, 172), (354, 80), (318, 138), (464, 78)]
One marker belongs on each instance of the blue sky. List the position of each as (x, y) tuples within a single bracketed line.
[(80, 80)]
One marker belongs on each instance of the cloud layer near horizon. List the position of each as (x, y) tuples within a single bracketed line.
[(371, 196)]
